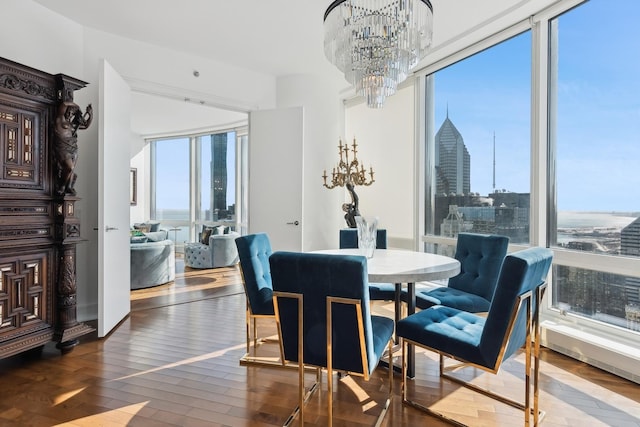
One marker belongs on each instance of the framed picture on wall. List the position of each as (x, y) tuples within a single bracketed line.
[(133, 188)]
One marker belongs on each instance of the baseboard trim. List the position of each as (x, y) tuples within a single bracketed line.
[(608, 355)]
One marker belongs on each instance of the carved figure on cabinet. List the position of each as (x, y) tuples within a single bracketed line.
[(65, 148)]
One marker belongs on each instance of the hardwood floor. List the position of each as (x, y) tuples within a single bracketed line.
[(174, 362)]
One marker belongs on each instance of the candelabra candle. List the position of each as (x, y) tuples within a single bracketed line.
[(348, 171)]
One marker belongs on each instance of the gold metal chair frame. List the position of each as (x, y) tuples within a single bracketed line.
[(531, 350), (248, 358), (303, 396)]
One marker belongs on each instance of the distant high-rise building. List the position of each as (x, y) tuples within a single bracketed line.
[(219, 174), (630, 239), (453, 162), (630, 246), (453, 224)]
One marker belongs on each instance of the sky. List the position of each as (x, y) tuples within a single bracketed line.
[(172, 189), (598, 111)]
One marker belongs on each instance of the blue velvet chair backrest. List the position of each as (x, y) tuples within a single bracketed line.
[(521, 272), (254, 251), (349, 238), (481, 258), (317, 276)]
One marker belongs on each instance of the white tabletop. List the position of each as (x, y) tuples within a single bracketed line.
[(401, 266)]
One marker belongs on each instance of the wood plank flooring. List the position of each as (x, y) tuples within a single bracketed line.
[(174, 362)]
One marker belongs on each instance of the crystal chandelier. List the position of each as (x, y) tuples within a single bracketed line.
[(375, 43)]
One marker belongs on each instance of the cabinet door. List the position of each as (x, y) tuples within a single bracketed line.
[(21, 131), (25, 296)]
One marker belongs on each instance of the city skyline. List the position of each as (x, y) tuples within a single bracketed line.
[(598, 109)]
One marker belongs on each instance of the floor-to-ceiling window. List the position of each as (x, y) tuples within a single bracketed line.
[(194, 181), (594, 121), (563, 99), (170, 201), (479, 143)]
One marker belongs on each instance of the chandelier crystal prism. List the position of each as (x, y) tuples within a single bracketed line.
[(376, 43)]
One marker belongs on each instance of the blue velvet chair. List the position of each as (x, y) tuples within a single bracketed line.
[(486, 343), (349, 238), (322, 307), (254, 251), (481, 258)]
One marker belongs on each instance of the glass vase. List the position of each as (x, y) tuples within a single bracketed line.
[(367, 235)]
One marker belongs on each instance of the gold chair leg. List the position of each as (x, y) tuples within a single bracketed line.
[(387, 403), (527, 369), (417, 405), (255, 333), (403, 386), (301, 402), (248, 322)]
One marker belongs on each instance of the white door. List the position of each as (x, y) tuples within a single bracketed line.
[(275, 176), (113, 199)]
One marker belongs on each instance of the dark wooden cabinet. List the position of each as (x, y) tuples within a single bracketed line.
[(38, 227)]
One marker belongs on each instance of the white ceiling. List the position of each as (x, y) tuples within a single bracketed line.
[(270, 36), (278, 37)]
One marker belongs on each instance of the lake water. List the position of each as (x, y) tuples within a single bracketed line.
[(568, 219)]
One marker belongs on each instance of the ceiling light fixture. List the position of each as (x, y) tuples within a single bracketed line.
[(375, 43)]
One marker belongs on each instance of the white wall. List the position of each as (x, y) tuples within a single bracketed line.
[(31, 35), (385, 140)]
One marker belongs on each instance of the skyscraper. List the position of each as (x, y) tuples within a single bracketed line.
[(219, 173), (453, 162)]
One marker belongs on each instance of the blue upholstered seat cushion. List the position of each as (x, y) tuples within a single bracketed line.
[(452, 297), (138, 239), (383, 328), (157, 236), (382, 291), (447, 329)]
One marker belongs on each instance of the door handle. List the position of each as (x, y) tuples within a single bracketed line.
[(107, 228), (294, 223)]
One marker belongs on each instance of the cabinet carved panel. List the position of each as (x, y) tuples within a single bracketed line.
[(38, 228), (24, 291), (22, 157)]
